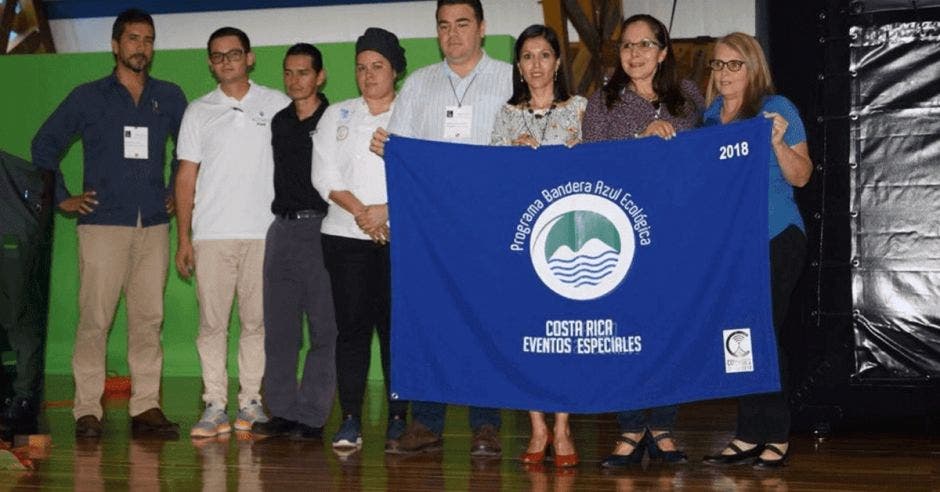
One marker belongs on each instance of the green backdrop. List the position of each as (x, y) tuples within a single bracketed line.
[(32, 87)]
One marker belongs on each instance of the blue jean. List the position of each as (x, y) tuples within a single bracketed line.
[(431, 415), (660, 419)]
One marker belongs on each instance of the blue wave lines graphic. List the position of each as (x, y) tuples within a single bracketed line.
[(588, 266), (608, 262), (578, 258), (586, 282)]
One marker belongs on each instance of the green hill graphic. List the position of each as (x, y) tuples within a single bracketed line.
[(576, 228)]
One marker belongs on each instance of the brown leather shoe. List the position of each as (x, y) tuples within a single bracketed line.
[(417, 439), (154, 422), (485, 441), (88, 426)]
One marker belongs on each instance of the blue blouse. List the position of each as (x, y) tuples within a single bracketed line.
[(782, 210)]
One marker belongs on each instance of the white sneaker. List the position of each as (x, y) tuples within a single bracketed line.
[(214, 421), (249, 414)]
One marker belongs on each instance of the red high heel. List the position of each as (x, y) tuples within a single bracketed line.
[(538, 456), (565, 460)]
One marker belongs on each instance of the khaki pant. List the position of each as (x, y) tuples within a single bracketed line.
[(112, 259), (224, 268)]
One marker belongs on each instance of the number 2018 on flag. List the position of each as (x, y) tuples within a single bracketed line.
[(733, 150)]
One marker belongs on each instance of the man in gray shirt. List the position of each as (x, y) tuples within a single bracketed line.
[(454, 101)]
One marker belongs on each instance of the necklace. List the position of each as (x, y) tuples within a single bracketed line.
[(536, 117), (649, 97)]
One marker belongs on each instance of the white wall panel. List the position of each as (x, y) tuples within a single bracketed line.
[(287, 26), (698, 17), (406, 19)]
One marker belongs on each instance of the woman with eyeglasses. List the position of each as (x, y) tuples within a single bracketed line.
[(741, 87), (644, 97), (541, 111)]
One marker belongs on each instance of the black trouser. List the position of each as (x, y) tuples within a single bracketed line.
[(296, 283), (23, 317), (765, 417), (361, 276)]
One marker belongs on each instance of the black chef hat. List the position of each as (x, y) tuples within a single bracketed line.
[(384, 43)]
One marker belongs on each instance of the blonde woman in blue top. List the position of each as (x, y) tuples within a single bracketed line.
[(741, 87)]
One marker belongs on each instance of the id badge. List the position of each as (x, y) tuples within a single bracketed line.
[(458, 123), (135, 142)]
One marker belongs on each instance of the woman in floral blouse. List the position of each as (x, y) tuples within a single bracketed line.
[(541, 111)]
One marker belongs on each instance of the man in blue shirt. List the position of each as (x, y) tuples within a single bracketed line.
[(124, 121)]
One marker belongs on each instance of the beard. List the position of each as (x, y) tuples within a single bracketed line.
[(137, 63)]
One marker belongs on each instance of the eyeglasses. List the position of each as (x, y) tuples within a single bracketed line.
[(718, 65), (641, 45), (235, 55)]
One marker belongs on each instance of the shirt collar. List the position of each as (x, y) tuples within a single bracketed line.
[(324, 102), (365, 107), (223, 97), (113, 80), (480, 66)]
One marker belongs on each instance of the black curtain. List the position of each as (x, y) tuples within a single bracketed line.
[(862, 333)]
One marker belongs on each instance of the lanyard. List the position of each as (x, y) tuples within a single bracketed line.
[(454, 89)]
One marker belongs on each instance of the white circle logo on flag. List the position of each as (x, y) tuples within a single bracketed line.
[(582, 246)]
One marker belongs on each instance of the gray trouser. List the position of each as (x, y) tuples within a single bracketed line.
[(296, 283)]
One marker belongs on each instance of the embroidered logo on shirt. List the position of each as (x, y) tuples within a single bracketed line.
[(261, 120)]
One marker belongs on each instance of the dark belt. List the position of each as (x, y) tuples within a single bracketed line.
[(302, 214)]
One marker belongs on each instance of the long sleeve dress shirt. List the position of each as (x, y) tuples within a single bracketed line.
[(101, 113)]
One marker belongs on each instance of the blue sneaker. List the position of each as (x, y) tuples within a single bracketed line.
[(349, 434)]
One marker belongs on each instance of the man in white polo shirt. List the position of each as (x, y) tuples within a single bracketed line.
[(224, 188)]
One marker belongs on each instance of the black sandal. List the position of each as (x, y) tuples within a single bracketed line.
[(656, 453), (762, 464), (624, 460), (739, 457)]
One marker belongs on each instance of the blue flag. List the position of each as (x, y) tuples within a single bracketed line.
[(608, 276)]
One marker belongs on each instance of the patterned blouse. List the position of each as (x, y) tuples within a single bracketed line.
[(632, 114), (557, 126)]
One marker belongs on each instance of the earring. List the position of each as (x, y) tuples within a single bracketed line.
[(556, 75)]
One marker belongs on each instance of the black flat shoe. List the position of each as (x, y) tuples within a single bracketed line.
[(304, 432), (656, 453), (277, 426), (740, 457), (625, 460), (762, 464)]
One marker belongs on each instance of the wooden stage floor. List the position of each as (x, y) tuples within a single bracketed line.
[(118, 462)]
